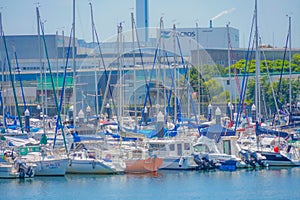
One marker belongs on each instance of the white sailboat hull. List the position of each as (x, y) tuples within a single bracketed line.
[(54, 167), (92, 166), (178, 163)]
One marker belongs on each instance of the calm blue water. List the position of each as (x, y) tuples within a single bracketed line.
[(280, 183)]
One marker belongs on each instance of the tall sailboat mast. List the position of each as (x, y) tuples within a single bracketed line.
[(96, 74), (120, 62), (74, 68), (257, 71), (2, 61), (174, 72), (290, 62), (134, 70), (41, 66), (229, 61)]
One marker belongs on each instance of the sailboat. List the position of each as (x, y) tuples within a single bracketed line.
[(84, 158), (90, 161), (281, 154), (48, 162)]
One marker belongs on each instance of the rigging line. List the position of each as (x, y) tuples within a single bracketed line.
[(172, 85), (187, 81), (3, 70), (281, 73), (2, 105), (142, 60), (52, 83), (244, 77), (2, 88), (245, 81), (107, 79), (63, 89), (20, 79), (236, 77), (234, 69), (271, 85), (150, 79), (245, 87), (12, 82)]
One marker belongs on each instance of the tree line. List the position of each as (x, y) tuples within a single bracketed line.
[(212, 89)]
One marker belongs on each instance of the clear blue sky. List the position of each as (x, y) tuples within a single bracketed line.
[(19, 16)]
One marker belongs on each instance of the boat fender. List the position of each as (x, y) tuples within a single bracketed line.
[(70, 163), (181, 161), (93, 164), (108, 156), (276, 149)]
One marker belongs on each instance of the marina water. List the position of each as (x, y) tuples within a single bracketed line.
[(272, 183)]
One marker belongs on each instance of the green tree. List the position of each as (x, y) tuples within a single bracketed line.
[(296, 59)]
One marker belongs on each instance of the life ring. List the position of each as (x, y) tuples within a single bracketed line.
[(108, 157)]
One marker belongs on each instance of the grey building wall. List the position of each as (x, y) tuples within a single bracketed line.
[(27, 46)]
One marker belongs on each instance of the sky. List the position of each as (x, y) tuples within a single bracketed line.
[(19, 17)]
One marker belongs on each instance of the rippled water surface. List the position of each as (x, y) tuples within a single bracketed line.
[(275, 183)]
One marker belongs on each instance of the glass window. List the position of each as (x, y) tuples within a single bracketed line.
[(172, 147), (186, 146), (226, 147)]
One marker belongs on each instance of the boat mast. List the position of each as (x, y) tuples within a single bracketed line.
[(290, 62), (163, 60), (134, 70), (120, 70), (74, 68), (2, 67), (96, 75), (257, 71), (175, 63), (229, 62), (199, 72), (41, 66)]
